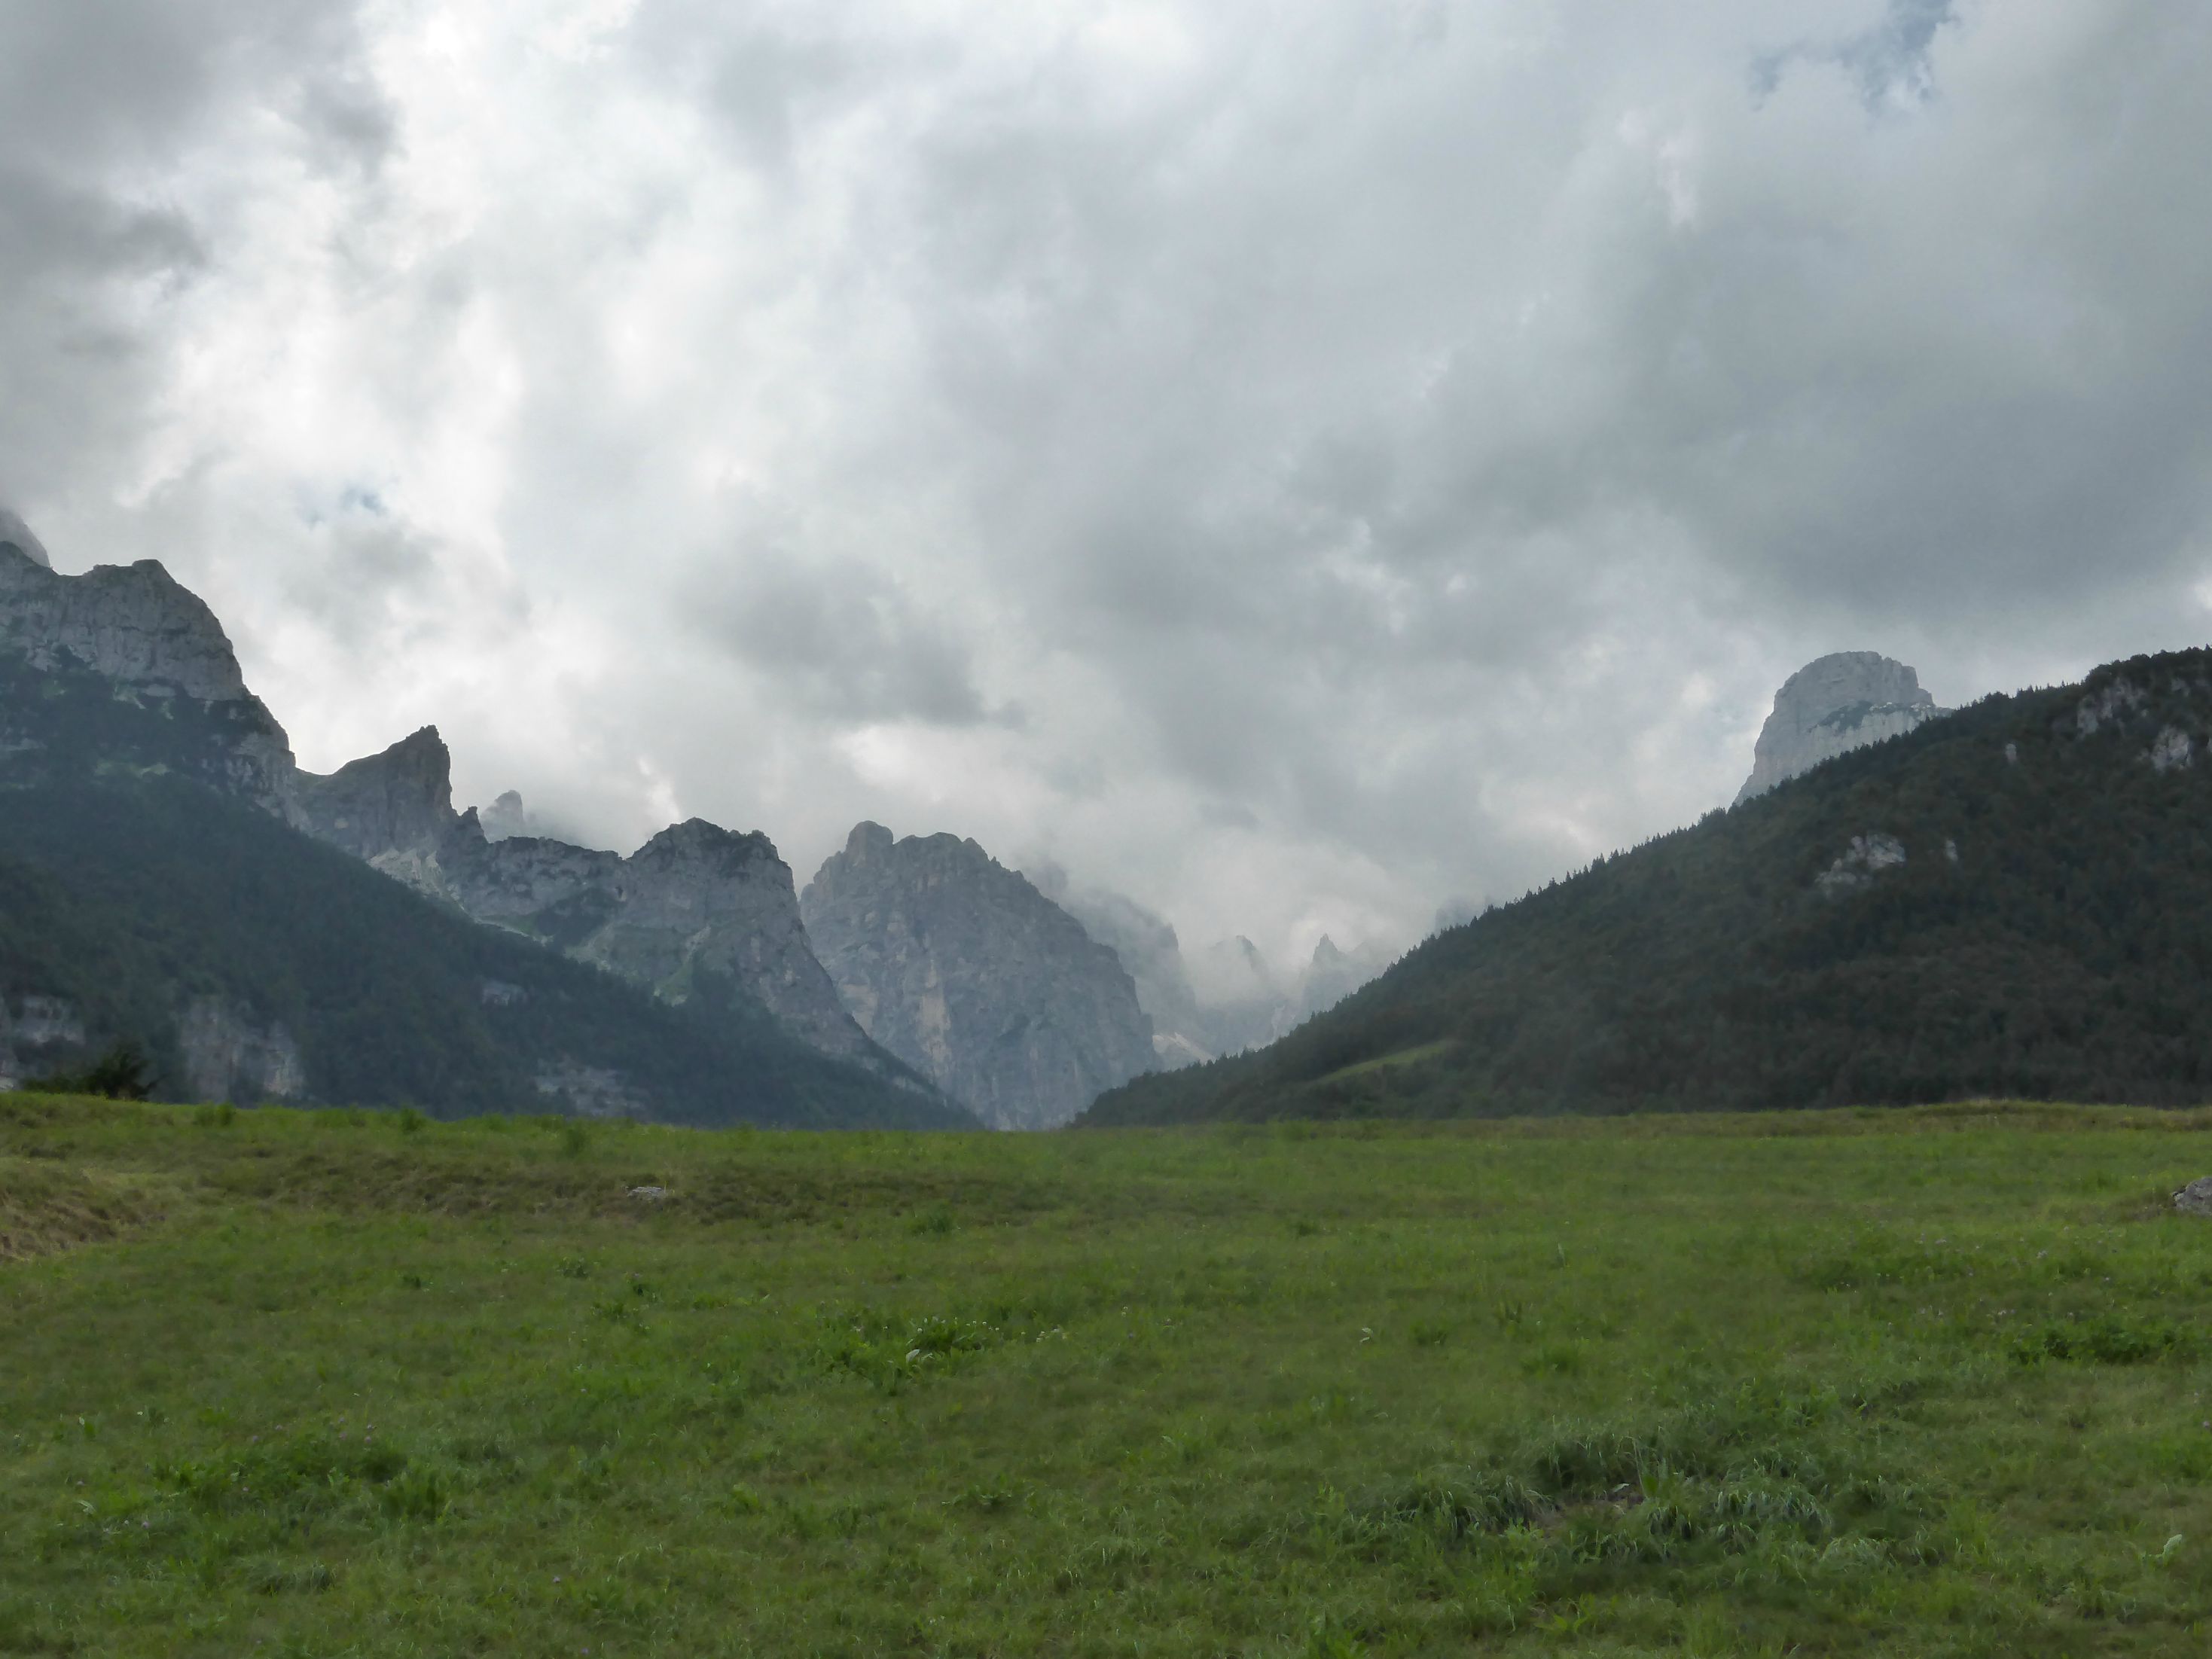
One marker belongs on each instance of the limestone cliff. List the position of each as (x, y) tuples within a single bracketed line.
[(228, 1055), (505, 817), (133, 623), (694, 902), (394, 810), (157, 645), (964, 969), (37, 1035), (1831, 706)]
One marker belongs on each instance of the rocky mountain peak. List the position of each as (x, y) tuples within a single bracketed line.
[(149, 641), (695, 842), (697, 906), (505, 817), (867, 841), (400, 801), (135, 625), (15, 534), (964, 969), (1834, 704)]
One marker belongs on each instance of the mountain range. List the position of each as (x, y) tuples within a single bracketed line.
[(1866, 923), (175, 881), (960, 988)]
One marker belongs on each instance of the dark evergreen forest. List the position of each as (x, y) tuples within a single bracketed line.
[(132, 881), (2048, 936)]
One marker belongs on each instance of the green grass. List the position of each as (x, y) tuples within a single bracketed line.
[(1931, 1381), (1413, 1056)]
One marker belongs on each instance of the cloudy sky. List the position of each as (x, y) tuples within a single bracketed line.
[(1296, 464)]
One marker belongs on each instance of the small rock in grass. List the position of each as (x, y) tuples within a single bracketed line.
[(2195, 1199), (659, 1194)]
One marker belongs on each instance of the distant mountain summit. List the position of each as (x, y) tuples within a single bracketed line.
[(1831, 706), (964, 969), (1222, 999)]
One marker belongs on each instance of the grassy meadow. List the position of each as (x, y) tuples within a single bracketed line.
[(1916, 1382)]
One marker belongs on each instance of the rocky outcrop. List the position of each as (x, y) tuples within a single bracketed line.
[(133, 624), (590, 1090), (964, 969), (226, 1056), (154, 643), (1867, 857), (696, 910), (1831, 706), (505, 817), (37, 1033), (15, 534), (695, 902), (2173, 751), (397, 802), (123, 679)]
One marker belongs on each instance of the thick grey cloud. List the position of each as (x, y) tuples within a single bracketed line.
[(102, 103), (839, 640), (1298, 465)]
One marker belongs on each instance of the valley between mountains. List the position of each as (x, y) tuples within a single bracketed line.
[(913, 981)]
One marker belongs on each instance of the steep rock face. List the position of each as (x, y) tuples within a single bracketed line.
[(1833, 705), (226, 1056), (157, 645), (962, 969), (132, 623), (398, 802), (505, 817), (37, 1033), (698, 900), (694, 903), (13, 532)]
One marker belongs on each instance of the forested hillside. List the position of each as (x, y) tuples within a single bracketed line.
[(155, 904), (130, 898), (2015, 900)]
